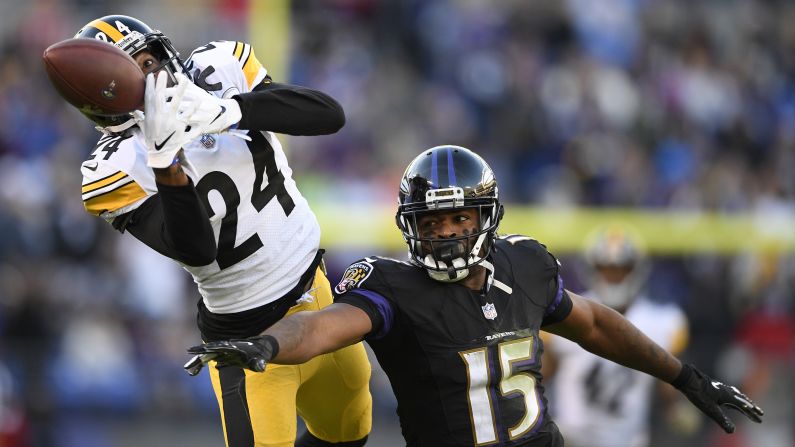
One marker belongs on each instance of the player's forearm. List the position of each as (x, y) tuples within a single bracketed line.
[(304, 335), (171, 176), (174, 223), (300, 338), (291, 110), (615, 338)]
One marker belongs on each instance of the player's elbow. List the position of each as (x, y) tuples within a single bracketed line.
[(335, 118)]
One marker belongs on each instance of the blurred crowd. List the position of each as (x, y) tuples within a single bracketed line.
[(635, 103)]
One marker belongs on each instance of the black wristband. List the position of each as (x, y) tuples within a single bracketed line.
[(684, 376), (269, 345)]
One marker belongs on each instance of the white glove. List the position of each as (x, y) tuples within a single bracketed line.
[(164, 132), (206, 111)]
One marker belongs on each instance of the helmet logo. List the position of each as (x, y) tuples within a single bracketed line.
[(489, 311), (108, 92)]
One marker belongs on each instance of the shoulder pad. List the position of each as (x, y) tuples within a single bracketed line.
[(527, 252), (114, 177), (355, 275), (525, 242), (375, 273), (388, 259), (118, 151), (225, 68)]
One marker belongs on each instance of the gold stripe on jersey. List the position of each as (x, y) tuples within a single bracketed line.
[(108, 188), (238, 49), (114, 199), (101, 183), (251, 68), (107, 28)]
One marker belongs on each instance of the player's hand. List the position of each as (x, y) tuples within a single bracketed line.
[(164, 133), (709, 396), (206, 111), (252, 353)]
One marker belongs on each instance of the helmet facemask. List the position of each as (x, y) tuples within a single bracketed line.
[(619, 294), (159, 46), (449, 259)]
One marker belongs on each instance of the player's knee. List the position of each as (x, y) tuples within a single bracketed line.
[(309, 440)]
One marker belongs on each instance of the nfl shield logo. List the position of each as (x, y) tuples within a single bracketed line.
[(207, 141), (489, 311)]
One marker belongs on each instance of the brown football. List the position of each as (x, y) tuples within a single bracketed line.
[(94, 76)]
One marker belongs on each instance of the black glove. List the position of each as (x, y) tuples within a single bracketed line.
[(709, 395), (252, 353)]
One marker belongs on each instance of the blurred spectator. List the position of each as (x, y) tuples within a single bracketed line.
[(598, 403)]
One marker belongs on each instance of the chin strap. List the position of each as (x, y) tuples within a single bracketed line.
[(479, 242), (136, 119)]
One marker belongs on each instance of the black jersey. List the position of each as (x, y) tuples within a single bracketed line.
[(464, 366)]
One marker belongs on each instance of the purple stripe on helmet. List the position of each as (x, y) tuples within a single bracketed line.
[(434, 174), (558, 298), (450, 167), (384, 308)]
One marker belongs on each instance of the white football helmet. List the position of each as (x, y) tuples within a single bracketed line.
[(617, 266)]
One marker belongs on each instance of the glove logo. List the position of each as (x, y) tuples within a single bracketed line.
[(223, 110), (160, 146)]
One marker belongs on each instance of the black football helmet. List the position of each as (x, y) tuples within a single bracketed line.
[(132, 36), (440, 179)]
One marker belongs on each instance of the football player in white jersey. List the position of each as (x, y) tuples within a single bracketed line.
[(200, 177), (599, 403)]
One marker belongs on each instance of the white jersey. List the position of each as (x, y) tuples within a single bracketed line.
[(266, 233), (598, 403)]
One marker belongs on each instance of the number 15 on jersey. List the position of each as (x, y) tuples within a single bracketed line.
[(515, 357)]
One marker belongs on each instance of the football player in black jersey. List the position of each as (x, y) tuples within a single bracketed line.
[(456, 328)]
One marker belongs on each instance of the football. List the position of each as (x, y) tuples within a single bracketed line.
[(96, 77)]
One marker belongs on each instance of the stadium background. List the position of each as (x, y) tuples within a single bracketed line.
[(676, 116)]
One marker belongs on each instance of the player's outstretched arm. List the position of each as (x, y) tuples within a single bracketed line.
[(292, 340), (606, 333), (281, 108), (290, 109)]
